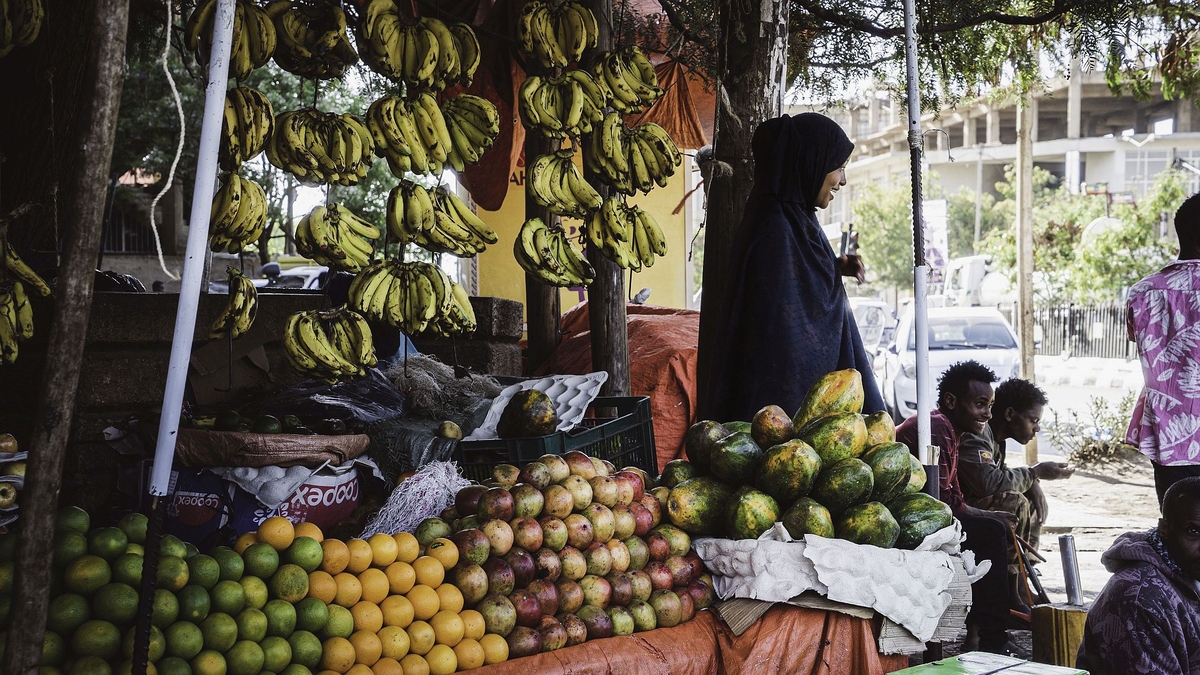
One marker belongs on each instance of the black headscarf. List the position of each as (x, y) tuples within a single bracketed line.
[(784, 320)]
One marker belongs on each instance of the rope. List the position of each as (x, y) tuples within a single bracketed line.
[(162, 263)]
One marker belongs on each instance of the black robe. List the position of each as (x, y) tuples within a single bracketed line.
[(784, 319)]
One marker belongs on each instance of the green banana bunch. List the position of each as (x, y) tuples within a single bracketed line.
[(239, 215), (632, 159), (329, 345), (417, 137), (16, 319), (239, 312), (629, 77), (627, 235), (557, 184), (20, 23), (550, 256), (556, 36), (22, 271), (319, 148), (436, 220), (424, 54), (408, 295), (334, 236), (313, 39), (562, 107), (473, 123), (254, 36), (246, 127)]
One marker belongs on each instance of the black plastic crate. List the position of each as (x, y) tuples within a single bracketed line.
[(625, 440)]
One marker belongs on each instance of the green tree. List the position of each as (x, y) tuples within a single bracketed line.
[(961, 217), (885, 235)]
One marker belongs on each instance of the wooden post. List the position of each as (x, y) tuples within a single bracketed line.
[(541, 301), (1025, 249), (84, 213), (606, 295)]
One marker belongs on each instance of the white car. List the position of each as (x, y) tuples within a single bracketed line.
[(955, 334)]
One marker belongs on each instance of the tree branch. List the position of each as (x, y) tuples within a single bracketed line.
[(677, 22), (860, 24)]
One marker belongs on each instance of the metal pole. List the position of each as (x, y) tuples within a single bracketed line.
[(197, 247), (1070, 563), (1025, 249), (978, 199)]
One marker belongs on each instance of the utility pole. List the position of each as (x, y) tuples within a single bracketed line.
[(978, 197), (1025, 248)]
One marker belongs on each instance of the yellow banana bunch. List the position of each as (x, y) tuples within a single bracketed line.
[(632, 159), (411, 296), (329, 345), (436, 220), (461, 318), (629, 77), (254, 36), (556, 36), (20, 23), (319, 148), (313, 39), (557, 184), (562, 107), (16, 319), (246, 127), (333, 235), (239, 312), (239, 215), (418, 137), (550, 256), (424, 54), (473, 123), (19, 269), (627, 235)]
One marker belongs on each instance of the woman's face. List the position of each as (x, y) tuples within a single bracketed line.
[(834, 180)]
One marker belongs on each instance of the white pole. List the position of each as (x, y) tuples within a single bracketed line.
[(197, 246)]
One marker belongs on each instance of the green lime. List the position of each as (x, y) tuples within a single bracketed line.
[(305, 552), (290, 582), (87, 574), (158, 643), (90, 665), (281, 618), (136, 549), (204, 571), (134, 526), (171, 545), (67, 612), (208, 662), (107, 542), (252, 624), (115, 602), (277, 654), (220, 631), (172, 572), (311, 614), (96, 638), (127, 569), (54, 649), (194, 603), (306, 649), (166, 608), (256, 591), (68, 546), (228, 597), (295, 669), (72, 519), (230, 562), (173, 665), (340, 623), (191, 550), (245, 658), (184, 639), (261, 560)]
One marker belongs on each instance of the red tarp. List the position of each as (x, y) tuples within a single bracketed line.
[(786, 639)]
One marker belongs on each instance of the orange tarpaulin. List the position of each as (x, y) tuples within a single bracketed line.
[(786, 639)]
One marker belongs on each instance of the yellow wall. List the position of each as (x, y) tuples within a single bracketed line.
[(501, 276)]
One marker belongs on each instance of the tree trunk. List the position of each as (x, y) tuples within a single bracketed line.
[(87, 185), (541, 300), (752, 71)]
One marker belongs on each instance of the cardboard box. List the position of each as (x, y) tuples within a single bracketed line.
[(982, 663)]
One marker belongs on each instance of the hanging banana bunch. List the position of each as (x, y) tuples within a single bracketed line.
[(627, 235), (632, 159), (473, 123), (629, 77), (551, 256), (16, 319), (334, 236), (239, 312), (461, 318), (20, 23), (246, 128), (23, 271), (436, 220), (319, 148), (422, 138), (424, 54), (562, 107), (239, 215), (313, 42), (254, 37), (411, 296), (557, 184), (556, 36), (329, 345)]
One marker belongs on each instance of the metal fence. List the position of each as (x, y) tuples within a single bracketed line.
[(127, 233), (1083, 330)]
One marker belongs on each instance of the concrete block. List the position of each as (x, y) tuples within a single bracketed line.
[(492, 358), (498, 319)]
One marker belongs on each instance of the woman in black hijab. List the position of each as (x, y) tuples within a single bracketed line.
[(784, 319)]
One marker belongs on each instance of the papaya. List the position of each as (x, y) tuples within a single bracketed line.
[(738, 427), (836, 437), (916, 480), (843, 484), (918, 516), (891, 467), (788, 470), (750, 513), (869, 523), (807, 516), (880, 428), (699, 441), (839, 391), (675, 472), (771, 426), (528, 413), (697, 506), (736, 459)]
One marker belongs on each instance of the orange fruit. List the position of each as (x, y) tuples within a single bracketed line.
[(243, 542), (322, 586), (407, 547), (414, 665), (361, 556), (421, 637), (375, 585), (386, 666), (495, 648), (397, 611), (360, 669), (367, 616), (449, 597), (444, 551), (429, 571), (383, 549), (310, 530), (277, 531), (349, 590), (473, 624), (441, 660), (425, 602), (394, 640), (470, 654), (401, 577), (335, 556), (367, 647), (448, 627), (337, 654)]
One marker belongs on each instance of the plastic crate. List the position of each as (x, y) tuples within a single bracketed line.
[(624, 440)]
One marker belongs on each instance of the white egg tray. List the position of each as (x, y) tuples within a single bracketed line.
[(572, 394)]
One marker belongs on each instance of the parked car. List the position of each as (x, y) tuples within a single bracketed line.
[(876, 322), (955, 334)]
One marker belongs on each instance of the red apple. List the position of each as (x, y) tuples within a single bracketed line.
[(658, 546), (500, 577), (547, 595), (495, 504), (468, 498), (528, 609), (660, 576), (523, 641), (580, 465), (579, 531), (554, 635), (644, 519)]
